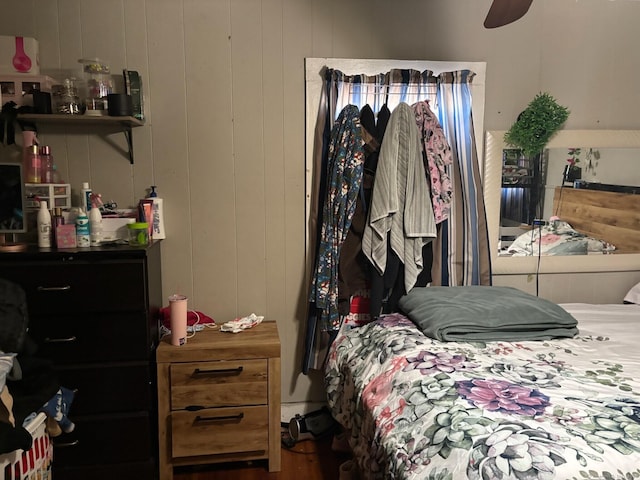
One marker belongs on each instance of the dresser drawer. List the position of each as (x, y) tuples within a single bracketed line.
[(121, 471), (222, 383), (92, 338), (105, 439), (108, 388), (109, 286), (224, 430)]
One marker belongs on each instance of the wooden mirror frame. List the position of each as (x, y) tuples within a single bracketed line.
[(494, 145)]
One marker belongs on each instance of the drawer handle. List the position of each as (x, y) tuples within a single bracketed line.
[(214, 371), (54, 289), (72, 443), (60, 340), (225, 418)]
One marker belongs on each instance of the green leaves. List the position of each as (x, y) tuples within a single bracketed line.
[(535, 126)]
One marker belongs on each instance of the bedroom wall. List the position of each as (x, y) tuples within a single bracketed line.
[(224, 139)]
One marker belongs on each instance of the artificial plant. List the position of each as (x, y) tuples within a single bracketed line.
[(535, 126)]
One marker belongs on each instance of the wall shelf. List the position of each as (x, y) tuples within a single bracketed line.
[(124, 123)]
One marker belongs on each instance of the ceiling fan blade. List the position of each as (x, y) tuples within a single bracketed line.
[(503, 12)]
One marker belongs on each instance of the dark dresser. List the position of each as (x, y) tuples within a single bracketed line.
[(94, 313)]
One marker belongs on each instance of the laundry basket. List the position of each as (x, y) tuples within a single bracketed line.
[(32, 464)]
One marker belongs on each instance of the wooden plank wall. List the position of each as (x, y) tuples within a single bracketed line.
[(610, 216)]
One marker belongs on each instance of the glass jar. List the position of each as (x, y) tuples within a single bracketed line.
[(65, 98), (98, 83)]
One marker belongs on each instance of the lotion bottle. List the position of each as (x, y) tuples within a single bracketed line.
[(157, 216), (44, 225), (95, 223)]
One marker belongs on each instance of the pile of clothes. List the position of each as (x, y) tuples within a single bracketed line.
[(28, 383)]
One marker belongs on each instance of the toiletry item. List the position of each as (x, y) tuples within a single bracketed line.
[(157, 216), (56, 178), (145, 211), (28, 138), (95, 222), (34, 164), (56, 220), (66, 236), (44, 225), (83, 237), (46, 161), (85, 199)]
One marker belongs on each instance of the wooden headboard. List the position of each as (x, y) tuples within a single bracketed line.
[(610, 216)]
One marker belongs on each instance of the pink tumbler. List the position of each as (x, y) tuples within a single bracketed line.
[(178, 318)]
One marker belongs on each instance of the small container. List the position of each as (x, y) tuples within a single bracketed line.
[(138, 233), (99, 84), (65, 98)]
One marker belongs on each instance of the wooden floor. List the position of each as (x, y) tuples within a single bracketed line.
[(307, 460)]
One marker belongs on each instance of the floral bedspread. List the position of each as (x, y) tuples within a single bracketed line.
[(417, 408)]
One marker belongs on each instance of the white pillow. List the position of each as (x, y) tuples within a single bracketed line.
[(633, 295)]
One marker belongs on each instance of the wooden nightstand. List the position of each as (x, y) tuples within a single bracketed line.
[(219, 398)]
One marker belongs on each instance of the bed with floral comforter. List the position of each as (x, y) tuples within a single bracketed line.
[(419, 408)]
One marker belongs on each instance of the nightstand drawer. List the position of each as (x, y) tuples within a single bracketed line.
[(220, 431), (216, 384)]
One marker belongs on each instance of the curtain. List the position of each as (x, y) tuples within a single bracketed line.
[(463, 241), (461, 252)]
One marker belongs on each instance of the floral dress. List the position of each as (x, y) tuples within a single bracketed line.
[(344, 175)]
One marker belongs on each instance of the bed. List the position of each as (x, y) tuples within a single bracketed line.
[(415, 407)]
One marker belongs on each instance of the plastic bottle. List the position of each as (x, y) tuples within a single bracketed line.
[(83, 237), (56, 174), (95, 223), (28, 138), (46, 160), (56, 220), (44, 225), (157, 216), (34, 166), (86, 197)]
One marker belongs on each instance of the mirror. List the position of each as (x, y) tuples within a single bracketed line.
[(608, 143)]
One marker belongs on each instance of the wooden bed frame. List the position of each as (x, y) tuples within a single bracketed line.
[(610, 216)]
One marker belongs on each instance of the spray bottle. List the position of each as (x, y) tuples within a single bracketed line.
[(83, 238)]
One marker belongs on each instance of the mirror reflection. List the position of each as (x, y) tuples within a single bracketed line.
[(570, 200)]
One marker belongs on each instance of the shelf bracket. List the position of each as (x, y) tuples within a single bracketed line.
[(129, 136)]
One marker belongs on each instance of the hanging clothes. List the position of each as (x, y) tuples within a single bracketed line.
[(401, 214), (344, 176), (355, 269), (437, 156)]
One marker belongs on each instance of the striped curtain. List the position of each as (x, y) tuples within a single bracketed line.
[(461, 251), (463, 243)]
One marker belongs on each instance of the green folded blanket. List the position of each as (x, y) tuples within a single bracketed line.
[(484, 313)]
